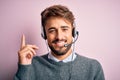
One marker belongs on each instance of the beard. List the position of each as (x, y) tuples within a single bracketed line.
[(60, 52)]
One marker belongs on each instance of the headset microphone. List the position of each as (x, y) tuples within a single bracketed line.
[(66, 45)]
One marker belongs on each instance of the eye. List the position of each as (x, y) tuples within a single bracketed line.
[(65, 29), (51, 30)]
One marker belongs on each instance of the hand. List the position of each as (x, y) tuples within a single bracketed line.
[(26, 52)]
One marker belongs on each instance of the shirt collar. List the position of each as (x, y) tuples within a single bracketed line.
[(71, 57)]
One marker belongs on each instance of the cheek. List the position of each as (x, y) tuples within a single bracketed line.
[(50, 38), (69, 36)]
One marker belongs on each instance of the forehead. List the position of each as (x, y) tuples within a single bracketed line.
[(57, 21)]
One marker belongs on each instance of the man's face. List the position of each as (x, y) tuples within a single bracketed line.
[(58, 32)]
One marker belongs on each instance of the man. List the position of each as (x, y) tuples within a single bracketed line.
[(62, 63)]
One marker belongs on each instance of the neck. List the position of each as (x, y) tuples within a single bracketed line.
[(62, 57)]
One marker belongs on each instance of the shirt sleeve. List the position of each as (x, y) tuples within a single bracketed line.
[(25, 72)]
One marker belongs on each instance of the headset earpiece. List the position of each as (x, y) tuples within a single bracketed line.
[(43, 33), (74, 32)]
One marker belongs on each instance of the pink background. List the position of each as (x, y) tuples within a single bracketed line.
[(98, 22)]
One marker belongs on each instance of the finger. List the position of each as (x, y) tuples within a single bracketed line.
[(32, 50), (28, 48), (32, 46), (33, 53), (25, 50), (23, 41), (27, 53), (29, 56)]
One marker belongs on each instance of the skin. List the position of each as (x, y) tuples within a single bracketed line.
[(58, 32), (26, 52)]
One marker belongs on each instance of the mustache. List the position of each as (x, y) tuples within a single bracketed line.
[(57, 40)]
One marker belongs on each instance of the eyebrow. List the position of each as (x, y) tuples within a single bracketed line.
[(65, 27), (61, 27)]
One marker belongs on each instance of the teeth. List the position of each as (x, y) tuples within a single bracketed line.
[(60, 43)]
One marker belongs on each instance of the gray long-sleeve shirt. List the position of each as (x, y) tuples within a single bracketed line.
[(43, 68)]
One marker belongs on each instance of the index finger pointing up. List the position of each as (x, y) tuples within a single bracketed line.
[(23, 41)]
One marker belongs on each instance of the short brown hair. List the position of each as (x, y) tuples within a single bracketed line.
[(57, 11)]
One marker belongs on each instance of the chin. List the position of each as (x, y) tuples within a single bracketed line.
[(60, 52)]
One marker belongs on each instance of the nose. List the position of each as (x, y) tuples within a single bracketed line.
[(59, 34)]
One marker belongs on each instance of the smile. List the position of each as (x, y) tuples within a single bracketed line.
[(60, 43)]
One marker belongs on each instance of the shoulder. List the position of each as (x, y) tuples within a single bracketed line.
[(90, 65), (93, 66), (93, 63)]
